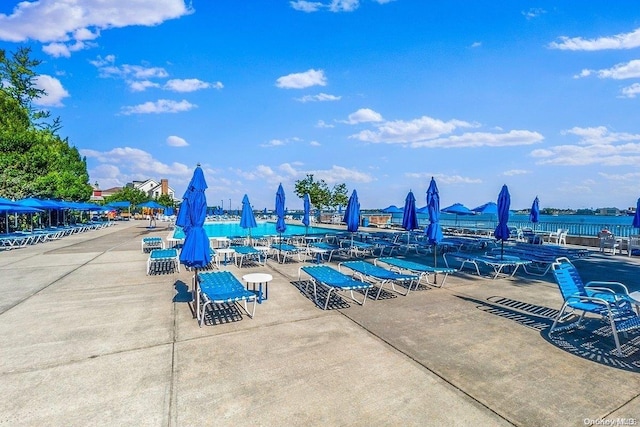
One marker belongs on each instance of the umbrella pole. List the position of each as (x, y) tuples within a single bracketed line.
[(194, 294), (435, 262), (501, 249)]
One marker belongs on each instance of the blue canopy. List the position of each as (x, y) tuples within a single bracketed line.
[(502, 232), (487, 208), (391, 209), (281, 226), (352, 213), (33, 202), (636, 217), (118, 205), (307, 210), (458, 209), (193, 212), (534, 214), (409, 217), (247, 219)]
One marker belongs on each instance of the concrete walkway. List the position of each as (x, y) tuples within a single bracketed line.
[(87, 338)]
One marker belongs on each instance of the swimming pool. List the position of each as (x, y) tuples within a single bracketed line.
[(231, 229)]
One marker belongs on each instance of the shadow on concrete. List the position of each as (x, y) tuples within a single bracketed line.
[(592, 341)]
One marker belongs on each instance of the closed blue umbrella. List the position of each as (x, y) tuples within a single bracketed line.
[(196, 252), (281, 225), (502, 232), (636, 217), (247, 219), (409, 215), (352, 214), (434, 231), (307, 212), (534, 214)]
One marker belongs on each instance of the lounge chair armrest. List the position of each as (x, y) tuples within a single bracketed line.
[(615, 287)]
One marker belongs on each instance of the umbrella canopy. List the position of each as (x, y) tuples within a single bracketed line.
[(307, 210), (534, 214), (502, 230), (151, 204), (458, 209), (391, 209), (410, 217), (352, 213), (247, 219), (281, 226), (636, 217), (118, 205), (434, 231), (487, 208), (193, 211)]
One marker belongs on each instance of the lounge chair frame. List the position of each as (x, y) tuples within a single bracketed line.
[(220, 287), (380, 276), (334, 281)]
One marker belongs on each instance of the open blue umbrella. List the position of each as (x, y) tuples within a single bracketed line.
[(247, 219), (534, 214), (457, 209), (281, 225), (151, 204), (391, 209), (502, 232), (307, 212), (195, 252), (487, 208), (434, 231), (636, 217)]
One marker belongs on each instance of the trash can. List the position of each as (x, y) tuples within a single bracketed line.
[(365, 221)]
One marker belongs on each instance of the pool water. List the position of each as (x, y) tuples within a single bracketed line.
[(231, 229)]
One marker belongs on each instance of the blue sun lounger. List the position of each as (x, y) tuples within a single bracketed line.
[(381, 276), (220, 287), (334, 281), (285, 251), (400, 264), (163, 260), (610, 300), (498, 263), (150, 243), (330, 249), (248, 252)]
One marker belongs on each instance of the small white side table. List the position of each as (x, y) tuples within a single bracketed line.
[(259, 279)]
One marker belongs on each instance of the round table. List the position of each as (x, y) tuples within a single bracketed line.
[(259, 279), (226, 252)]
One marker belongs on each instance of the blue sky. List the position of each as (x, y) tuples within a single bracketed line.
[(379, 94)]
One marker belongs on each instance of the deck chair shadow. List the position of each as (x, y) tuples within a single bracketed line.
[(381, 276), (334, 281), (608, 300)]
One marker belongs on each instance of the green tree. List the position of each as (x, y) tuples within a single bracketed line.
[(128, 194), (319, 193), (34, 160), (339, 195), (166, 200)]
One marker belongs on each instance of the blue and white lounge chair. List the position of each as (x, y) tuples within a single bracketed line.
[(330, 248), (334, 281), (284, 251), (498, 263), (150, 243), (401, 264), (246, 252), (381, 276), (610, 300), (163, 260), (220, 287)]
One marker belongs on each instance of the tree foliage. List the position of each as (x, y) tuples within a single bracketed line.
[(128, 194), (166, 200), (34, 160), (320, 195)]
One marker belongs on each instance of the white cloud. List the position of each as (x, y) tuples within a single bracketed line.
[(176, 141), (160, 106), (274, 143), (619, 41), (314, 144), (55, 93), (189, 85), (67, 25), (319, 97), (534, 12), (141, 85), (403, 132), (306, 6), (302, 80), (514, 172), (597, 145), (483, 139), (322, 124), (631, 91), (344, 5), (476, 44), (443, 179), (364, 115), (628, 70)]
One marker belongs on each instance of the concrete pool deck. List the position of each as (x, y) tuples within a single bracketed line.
[(89, 338)]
